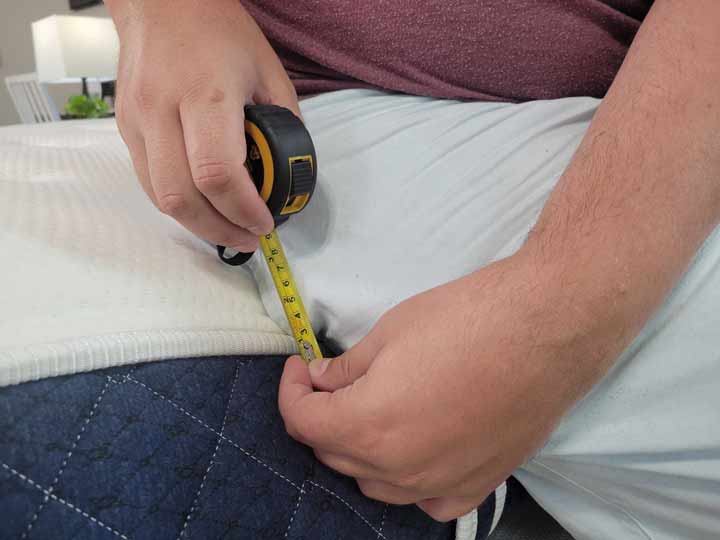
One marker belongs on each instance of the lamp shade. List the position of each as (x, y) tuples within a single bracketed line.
[(69, 48)]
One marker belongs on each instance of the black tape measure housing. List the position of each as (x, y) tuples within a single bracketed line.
[(291, 150), (281, 161)]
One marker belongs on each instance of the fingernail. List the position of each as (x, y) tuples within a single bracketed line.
[(257, 231), (319, 366)]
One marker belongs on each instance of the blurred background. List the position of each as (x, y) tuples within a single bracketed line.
[(17, 53)]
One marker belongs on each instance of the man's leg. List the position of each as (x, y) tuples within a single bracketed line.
[(414, 193), (640, 456)]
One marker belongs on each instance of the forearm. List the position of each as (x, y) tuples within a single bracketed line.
[(643, 190)]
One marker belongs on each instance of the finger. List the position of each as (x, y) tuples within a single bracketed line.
[(448, 508), (349, 466), (325, 421), (332, 374), (213, 127), (385, 492), (136, 147), (175, 192), (140, 163)]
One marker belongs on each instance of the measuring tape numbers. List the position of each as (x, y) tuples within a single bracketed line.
[(282, 163)]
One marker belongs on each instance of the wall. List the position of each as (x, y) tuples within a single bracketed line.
[(16, 48)]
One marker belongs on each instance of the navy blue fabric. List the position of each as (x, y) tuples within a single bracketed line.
[(190, 448)]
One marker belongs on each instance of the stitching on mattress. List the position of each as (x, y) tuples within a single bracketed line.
[(379, 533), (206, 426), (297, 507), (61, 470), (382, 519), (60, 500), (193, 507), (126, 378), (351, 507)]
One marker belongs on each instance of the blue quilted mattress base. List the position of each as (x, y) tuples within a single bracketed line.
[(188, 448)]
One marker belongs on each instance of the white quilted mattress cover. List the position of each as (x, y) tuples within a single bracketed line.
[(92, 275)]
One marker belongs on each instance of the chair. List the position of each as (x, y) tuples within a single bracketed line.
[(31, 99)]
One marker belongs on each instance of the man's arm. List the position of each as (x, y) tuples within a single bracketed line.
[(454, 388), (643, 190), (187, 69)]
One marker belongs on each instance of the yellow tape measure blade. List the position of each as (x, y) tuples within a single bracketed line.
[(290, 296)]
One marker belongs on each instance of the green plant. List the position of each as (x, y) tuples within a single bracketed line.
[(85, 107)]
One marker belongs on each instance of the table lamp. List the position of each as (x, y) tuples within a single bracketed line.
[(70, 48)]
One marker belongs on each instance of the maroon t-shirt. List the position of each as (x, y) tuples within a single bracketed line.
[(470, 49)]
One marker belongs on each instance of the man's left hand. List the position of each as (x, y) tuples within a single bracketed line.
[(451, 391)]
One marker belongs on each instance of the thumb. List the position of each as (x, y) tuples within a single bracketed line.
[(330, 374)]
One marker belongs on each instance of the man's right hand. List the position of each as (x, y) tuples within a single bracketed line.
[(187, 69)]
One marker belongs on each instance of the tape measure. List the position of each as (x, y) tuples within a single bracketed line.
[(282, 163)]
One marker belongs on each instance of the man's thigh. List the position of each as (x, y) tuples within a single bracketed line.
[(640, 456), (416, 192)]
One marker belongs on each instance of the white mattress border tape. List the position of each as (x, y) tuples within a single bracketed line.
[(112, 350)]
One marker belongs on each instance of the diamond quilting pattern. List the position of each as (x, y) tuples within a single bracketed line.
[(190, 448)]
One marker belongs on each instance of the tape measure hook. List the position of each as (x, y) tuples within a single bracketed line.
[(308, 350)]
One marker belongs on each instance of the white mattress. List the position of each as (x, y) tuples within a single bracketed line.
[(92, 275)]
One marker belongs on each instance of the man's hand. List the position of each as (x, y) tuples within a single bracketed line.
[(452, 390), (187, 69), (456, 387)]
